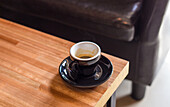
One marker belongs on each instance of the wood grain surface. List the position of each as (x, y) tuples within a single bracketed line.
[(29, 76)]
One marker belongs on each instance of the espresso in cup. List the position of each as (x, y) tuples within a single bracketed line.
[(84, 56)]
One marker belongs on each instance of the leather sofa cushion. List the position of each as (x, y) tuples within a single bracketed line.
[(111, 18)]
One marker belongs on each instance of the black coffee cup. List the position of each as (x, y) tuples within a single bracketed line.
[(84, 56)]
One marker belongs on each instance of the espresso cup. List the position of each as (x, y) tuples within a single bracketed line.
[(84, 56), (85, 53)]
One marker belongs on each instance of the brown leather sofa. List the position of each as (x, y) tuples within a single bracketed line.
[(124, 28)]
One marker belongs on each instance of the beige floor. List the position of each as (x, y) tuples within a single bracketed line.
[(158, 94)]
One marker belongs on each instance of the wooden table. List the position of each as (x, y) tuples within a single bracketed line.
[(29, 76)]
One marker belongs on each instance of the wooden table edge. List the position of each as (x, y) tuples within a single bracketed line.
[(103, 100)]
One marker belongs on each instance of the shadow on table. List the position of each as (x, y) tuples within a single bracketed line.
[(60, 89), (125, 101)]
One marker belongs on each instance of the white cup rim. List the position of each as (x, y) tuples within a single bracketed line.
[(87, 59)]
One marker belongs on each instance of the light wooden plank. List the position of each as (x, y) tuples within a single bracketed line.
[(18, 77)]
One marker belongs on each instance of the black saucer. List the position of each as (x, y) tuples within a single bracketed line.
[(103, 69)]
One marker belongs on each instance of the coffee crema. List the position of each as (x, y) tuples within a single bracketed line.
[(85, 56)]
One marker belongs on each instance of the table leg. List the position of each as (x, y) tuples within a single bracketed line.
[(112, 101)]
